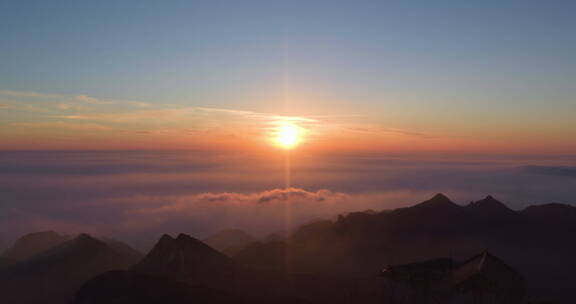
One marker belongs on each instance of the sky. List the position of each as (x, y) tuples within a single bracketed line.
[(459, 76), (134, 118)]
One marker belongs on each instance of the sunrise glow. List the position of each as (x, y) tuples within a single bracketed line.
[(288, 135)]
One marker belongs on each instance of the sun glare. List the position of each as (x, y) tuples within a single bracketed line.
[(288, 135)]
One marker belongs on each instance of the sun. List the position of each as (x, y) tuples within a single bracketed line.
[(288, 135)]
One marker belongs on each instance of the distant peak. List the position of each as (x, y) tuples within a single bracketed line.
[(86, 238), (183, 236), (48, 232), (41, 234), (551, 209), (166, 237), (488, 202), (181, 240), (439, 201), (183, 258), (440, 196)]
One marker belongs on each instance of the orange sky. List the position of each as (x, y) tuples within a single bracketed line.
[(42, 121)]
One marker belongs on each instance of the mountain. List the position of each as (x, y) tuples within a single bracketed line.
[(229, 241), (330, 261), (34, 243), (189, 260), (537, 241), (55, 274), (129, 287), (490, 206), (553, 212), (185, 270), (439, 202), (122, 248), (264, 256), (5, 262)]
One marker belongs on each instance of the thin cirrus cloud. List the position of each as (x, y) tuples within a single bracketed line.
[(24, 94), (121, 124), (61, 124)]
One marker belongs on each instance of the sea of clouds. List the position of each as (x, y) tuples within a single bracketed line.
[(138, 195)]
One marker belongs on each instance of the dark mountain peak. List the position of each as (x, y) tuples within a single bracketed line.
[(61, 270), (185, 238), (78, 246), (85, 237), (186, 259), (165, 239), (552, 210), (440, 196), (182, 242), (42, 234), (34, 243), (489, 205), (438, 201), (189, 243)]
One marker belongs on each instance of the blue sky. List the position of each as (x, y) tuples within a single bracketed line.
[(232, 53)]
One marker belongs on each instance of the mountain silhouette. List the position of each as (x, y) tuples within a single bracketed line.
[(185, 270), (5, 262), (34, 243), (550, 212), (483, 277), (189, 260), (129, 287), (55, 274), (489, 205), (438, 202), (328, 261), (360, 242)]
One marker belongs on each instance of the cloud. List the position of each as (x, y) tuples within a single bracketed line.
[(88, 99), (61, 124), (99, 101), (171, 124), (565, 171), (393, 130), (218, 123), (26, 107), (24, 94), (136, 194), (293, 196), (188, 113), (259, 213)]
